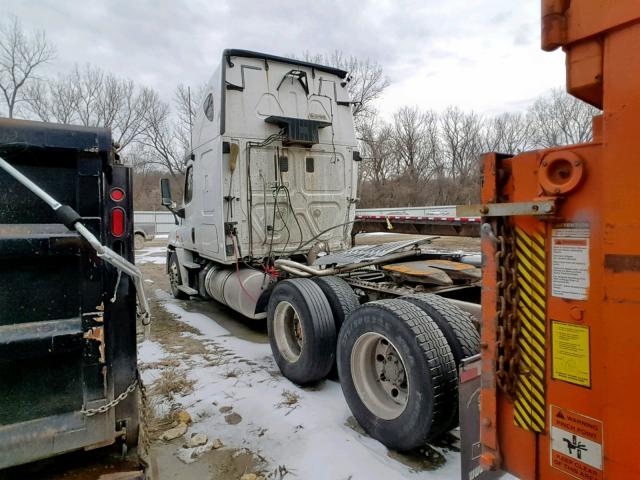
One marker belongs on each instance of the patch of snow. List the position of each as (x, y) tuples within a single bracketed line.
[(309, 436), (154, 260), (150, 351), (156, 255)]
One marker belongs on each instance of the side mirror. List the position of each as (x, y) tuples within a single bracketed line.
[(356, 156), (165, 190)]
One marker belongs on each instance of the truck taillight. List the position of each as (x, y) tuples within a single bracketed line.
[(117, 222), (117, 194)]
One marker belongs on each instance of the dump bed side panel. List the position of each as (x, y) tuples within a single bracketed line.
[(64, 345)]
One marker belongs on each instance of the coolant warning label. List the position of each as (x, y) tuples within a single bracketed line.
[(576, 444), (570, 353), (570, 262)]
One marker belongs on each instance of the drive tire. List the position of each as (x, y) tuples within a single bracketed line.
[(429, 372), (175, 278), (457, 327), (340, 295), (301, 329)]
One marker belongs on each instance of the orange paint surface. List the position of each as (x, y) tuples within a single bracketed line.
[(602, 42)]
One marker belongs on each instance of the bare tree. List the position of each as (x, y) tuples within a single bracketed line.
[(163, 139), (376, 146), (186, 102), (53, 100), (507, 133), (560, 119), (367, 83), (21, 55), (91, 97), (461, 140), (415, 140)]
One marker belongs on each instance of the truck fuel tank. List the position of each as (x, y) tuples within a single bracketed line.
[(239, 289)]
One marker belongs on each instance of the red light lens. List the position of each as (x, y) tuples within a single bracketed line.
[(117, 222), (117, 194)]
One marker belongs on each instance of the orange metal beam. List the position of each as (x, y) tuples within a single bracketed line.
[(579, 269)]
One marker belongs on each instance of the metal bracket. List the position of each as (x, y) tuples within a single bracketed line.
[(542, 207)]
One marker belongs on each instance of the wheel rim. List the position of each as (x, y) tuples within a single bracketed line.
[(174, 275), (287, 330), (379, 375), (138, 242)]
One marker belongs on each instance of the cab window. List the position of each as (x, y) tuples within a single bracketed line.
[(188, 185)]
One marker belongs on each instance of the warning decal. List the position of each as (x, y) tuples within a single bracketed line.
[(576, 444), (570, 262), (570, 353)]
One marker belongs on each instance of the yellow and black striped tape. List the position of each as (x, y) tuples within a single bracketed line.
[(529, 411)]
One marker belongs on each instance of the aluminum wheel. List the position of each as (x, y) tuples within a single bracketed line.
[(379, 375), (287, 330), (174, 275)]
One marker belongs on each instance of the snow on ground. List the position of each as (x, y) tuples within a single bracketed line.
[(309, 431), (157, 255)]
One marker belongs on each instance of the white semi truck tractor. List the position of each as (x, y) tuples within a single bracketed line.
[(265, 228)]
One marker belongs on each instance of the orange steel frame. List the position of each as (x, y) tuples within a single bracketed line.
[(601, 39)]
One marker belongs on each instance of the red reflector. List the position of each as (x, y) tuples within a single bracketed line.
[(117, 194), (117, 222)]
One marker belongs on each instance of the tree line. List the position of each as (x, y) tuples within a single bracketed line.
[(423, 157), (416, 157)]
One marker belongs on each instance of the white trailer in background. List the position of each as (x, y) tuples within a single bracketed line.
[(264, 228)]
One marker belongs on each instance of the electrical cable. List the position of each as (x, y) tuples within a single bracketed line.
[(286, 191), (248, 146), (315, 237)]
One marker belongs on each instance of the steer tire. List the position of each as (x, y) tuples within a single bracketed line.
[(456, 324), (301, 330), (175, 278), (429, 373), (340, 295)]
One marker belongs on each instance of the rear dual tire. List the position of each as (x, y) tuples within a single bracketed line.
[(457, 327), (302, 331), (397, 373)]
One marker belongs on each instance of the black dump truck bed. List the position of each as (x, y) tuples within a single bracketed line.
[(67, 340)]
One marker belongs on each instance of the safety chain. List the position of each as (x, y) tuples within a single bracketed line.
[(145, 415), (89, 412), (507, 320)]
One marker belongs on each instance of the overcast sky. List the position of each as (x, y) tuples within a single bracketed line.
[(479, 54)]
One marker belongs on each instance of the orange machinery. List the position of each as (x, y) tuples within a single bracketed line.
[(560, 394)]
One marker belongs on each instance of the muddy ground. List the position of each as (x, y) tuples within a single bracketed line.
[(168, 331)]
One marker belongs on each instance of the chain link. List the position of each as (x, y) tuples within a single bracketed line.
[(507, 319), (145, 415), (89, 412)]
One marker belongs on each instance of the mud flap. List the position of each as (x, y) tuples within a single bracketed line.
[(469, 398)]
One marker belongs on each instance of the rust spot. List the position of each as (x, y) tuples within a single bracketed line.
[(622, 263), (97, 334)]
